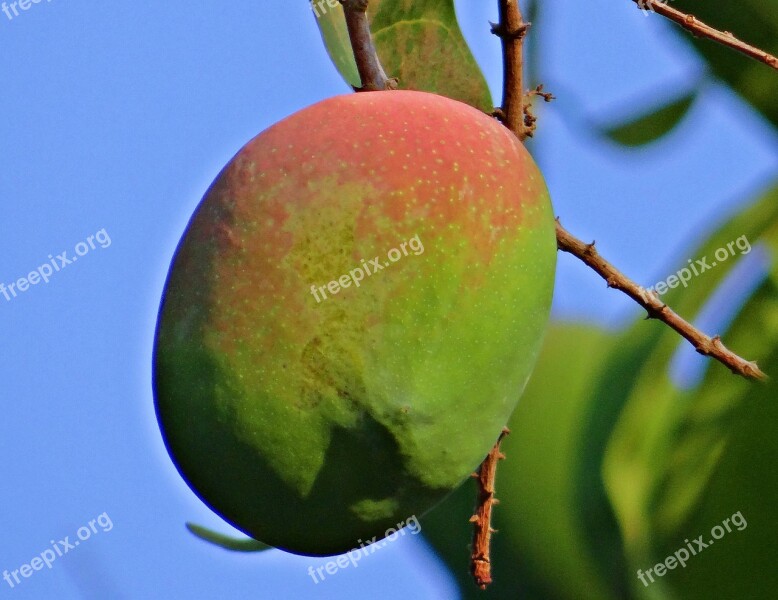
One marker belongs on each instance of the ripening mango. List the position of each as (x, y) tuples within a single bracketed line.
[(351, 316)]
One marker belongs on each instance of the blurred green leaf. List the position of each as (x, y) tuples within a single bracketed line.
[(670, 442), (419, 42), (539, 550), (652, 126), (226, 542), (738, 435), (601, 532), (743, 563)]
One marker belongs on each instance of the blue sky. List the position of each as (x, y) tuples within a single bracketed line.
[(117, 116)]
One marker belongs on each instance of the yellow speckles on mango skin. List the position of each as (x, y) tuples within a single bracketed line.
[(350, 407)]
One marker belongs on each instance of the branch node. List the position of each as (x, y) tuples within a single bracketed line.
[(538, 91), (502, 31)]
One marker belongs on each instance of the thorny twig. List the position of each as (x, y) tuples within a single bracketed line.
[(703, 30), (704, 344), (480, 557)]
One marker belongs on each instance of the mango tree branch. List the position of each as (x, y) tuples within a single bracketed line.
[(702, 30), (369, 66), (511, 30), (480, 557), (705, 345)]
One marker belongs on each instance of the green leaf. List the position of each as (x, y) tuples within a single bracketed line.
[(547, 506), (226, 542), (671, 444), (419, 42), (332, 25), (756, 23), (650, 127), (742, 563)]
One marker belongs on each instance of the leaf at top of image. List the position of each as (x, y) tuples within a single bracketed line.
[(419, 42)]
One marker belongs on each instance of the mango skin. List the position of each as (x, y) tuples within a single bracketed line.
[(314, 426)]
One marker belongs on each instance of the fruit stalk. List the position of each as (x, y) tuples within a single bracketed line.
[(371, 72)]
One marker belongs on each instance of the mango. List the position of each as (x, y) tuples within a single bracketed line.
[(351, 316)]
